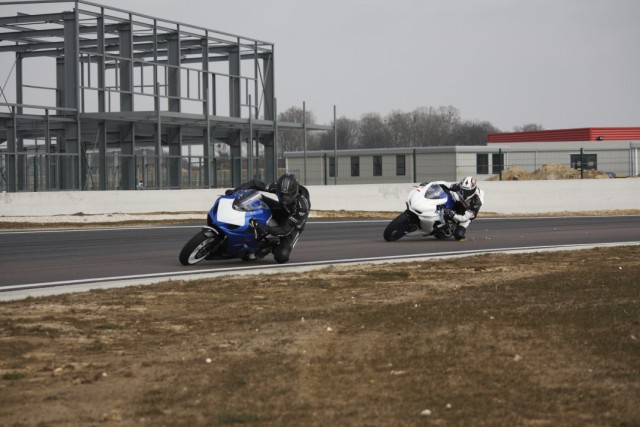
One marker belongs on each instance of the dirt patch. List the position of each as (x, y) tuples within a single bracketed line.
[(550, 171), (528, 340)]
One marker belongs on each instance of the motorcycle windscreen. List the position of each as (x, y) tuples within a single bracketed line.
[(435, 192), (248, 200), (228, 215)]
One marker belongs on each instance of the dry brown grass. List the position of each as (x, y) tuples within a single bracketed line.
[(527, 340)]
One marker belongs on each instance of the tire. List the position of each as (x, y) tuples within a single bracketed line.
[(198, 248), (398, 227), (444, 233)]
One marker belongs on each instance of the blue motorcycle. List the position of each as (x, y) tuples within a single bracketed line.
[(228, 233)]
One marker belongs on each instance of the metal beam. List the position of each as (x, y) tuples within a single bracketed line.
[(31, 19), (174, 74), (87, 44), (126, 68)]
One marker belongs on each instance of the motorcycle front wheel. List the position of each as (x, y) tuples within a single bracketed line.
[(198, 248), (398, 227)]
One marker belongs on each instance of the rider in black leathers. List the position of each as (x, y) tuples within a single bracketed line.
[(290, 212)]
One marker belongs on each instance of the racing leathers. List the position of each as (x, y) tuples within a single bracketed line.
[(290, 218), (465, 209)]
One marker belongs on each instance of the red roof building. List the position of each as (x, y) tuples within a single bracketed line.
[(612, 149), (558, 135)]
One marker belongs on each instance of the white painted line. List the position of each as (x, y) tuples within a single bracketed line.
[(53, 288), (309, 223)]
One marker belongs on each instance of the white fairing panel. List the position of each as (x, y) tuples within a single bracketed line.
[(227, 214), (424, 201), (419, 202)]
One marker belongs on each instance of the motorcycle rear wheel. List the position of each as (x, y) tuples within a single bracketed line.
[(198, 248), (398, 227)]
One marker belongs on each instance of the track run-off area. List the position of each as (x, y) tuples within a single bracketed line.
[(40, 262)]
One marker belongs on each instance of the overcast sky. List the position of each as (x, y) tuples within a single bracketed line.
[(558, 63)]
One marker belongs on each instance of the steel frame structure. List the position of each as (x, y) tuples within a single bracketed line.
[(125, 81)]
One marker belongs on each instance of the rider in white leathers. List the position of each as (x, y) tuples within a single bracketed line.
[(468, 198)]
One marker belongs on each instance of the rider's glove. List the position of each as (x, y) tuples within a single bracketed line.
[(228, 192), (258, 185), (258, 230), (448, 213)]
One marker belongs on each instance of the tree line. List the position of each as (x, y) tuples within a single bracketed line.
[(422, 127)]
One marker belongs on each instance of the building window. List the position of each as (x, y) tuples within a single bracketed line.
[(355, 166), (497, 163), (377, 165), (332, 167), (401, 165), (482, 164), (590, 161)]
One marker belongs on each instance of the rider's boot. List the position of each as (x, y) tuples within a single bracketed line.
[(249, 256)]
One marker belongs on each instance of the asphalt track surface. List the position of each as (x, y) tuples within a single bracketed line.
[(39, 259)]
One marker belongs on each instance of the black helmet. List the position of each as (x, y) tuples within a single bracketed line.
[(468, 187), (287, 188)]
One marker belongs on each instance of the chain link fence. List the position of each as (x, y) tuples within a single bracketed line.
[(58, 171), (33, 172), (454, 163)]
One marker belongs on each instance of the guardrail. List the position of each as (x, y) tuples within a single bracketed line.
[(506, 197)]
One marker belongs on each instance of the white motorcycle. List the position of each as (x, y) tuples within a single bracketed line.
[(425, 214)]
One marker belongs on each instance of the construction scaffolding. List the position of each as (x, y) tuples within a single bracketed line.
[(101, 98)]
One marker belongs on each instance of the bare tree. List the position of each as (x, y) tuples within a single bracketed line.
[(423, 127), (348, 135), (434, 127), (374, 133), (400, 128), (293, 140), (472, 133), (528, 127)]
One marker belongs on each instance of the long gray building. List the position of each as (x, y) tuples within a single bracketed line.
[(612, 150)]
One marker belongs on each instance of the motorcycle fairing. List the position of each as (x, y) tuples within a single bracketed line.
[(228, 215)]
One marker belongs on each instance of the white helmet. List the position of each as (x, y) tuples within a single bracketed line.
[(468, 187)]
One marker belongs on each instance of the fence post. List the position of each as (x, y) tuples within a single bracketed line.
[(500, 163), (324, 167), (35, 173), (304, 138), (415, 172), (581, 163), (335, 148)]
